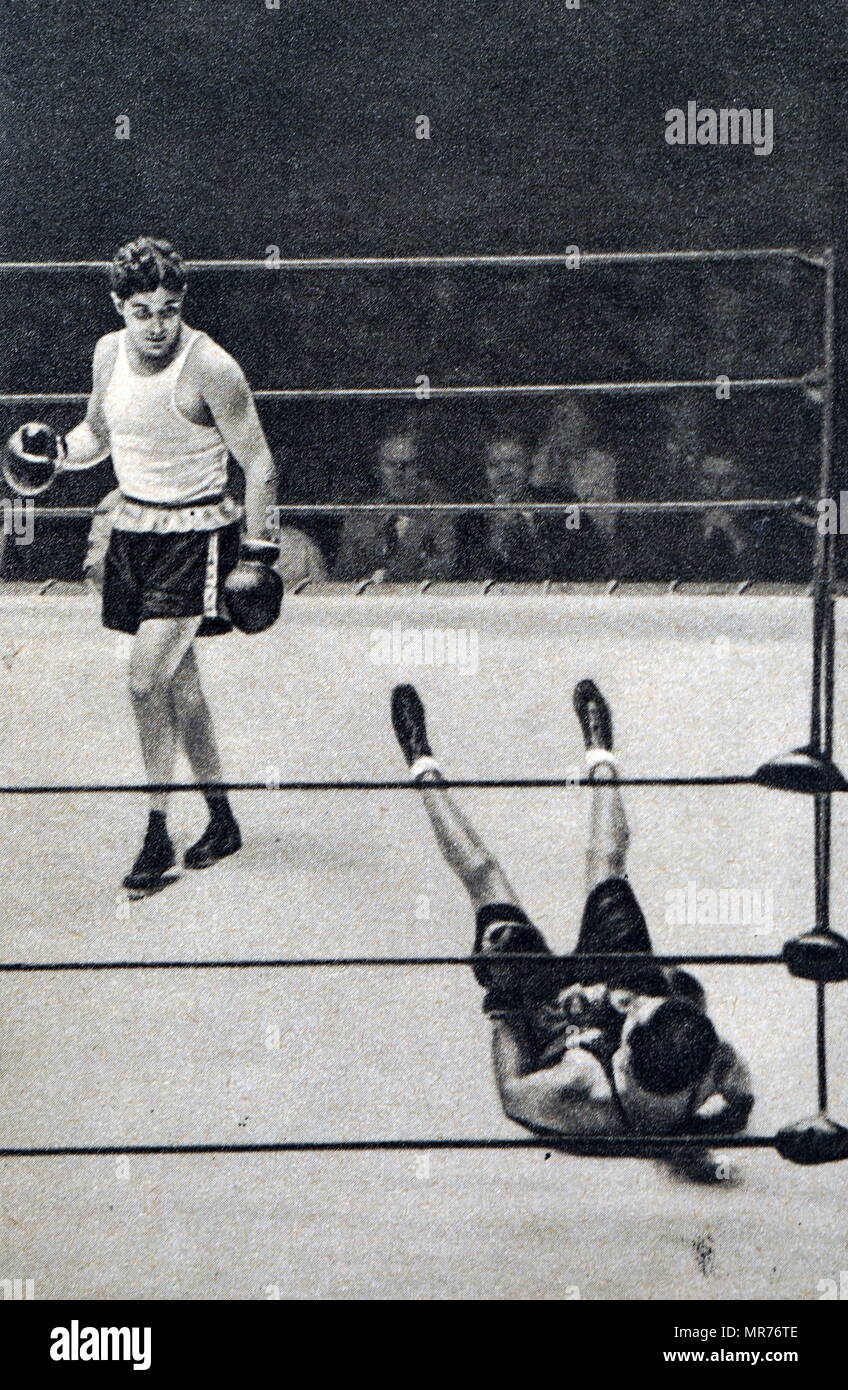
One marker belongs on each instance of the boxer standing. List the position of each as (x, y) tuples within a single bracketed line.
[(170, 406)]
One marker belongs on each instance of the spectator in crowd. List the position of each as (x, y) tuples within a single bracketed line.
[(529, 545), (682, 446), (300, 557), (647, 542), (727, 545), (402, 545), (568, 463)]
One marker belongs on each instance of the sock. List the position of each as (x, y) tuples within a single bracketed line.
[(422, 765), (597, 756), (156, 825), (218, 804)]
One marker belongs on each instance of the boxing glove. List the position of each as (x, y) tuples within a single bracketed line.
[(253, 591), (32, 458)]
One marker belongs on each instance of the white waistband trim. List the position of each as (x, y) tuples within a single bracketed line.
[(208, 516)]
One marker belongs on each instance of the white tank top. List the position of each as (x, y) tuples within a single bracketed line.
[(159, 456)]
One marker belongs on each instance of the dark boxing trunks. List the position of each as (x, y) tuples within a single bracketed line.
[(173, 575)]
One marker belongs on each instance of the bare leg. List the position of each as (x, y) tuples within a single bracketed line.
[(484, 881), (194, 722), (159, 647), (462, 848), (609, 834)]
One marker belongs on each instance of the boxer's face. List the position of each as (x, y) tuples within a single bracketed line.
[(153, 319)]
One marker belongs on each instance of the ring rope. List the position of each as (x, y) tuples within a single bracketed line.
[(317, 962), (613, 1142), (818, 258), (766, 504), (468, 783), (446, 392)]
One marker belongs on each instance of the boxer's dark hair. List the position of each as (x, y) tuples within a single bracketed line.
[(145, 264), (673, 1049)]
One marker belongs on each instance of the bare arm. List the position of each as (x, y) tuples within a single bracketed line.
[(571, 1097), (98, 538), (230, 400), (512, 1052), (87, 443)]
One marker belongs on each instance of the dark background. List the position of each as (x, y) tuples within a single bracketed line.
[(295, 128)]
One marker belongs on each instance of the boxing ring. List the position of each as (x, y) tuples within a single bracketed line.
[(738, 674)]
